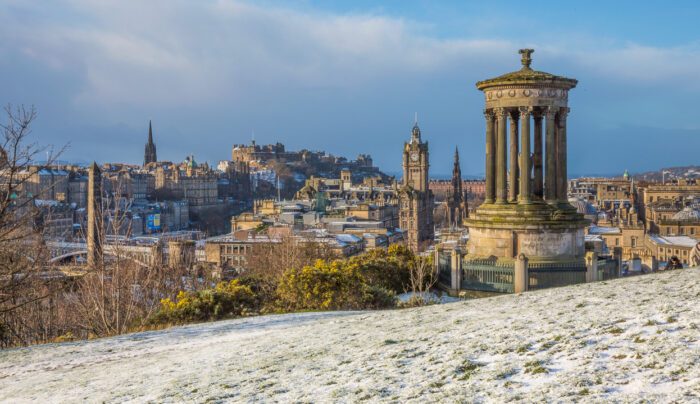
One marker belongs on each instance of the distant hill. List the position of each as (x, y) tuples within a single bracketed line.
[(672, 173), (625, 340)]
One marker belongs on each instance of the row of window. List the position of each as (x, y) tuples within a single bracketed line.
[(676, 251), (237, 249), (669, 230)]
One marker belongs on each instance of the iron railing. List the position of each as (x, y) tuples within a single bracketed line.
[(487, 275), (547, 275), (607, 269), (444, 270)]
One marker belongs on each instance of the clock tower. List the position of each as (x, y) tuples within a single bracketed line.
[(415, 198)]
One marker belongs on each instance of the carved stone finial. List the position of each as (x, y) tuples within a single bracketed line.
[(526, 60)]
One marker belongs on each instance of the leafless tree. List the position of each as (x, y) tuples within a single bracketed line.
[(268, 261), (125, 285), (422, 278), (26, 278)]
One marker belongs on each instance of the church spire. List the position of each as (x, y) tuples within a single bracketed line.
[(149, 155), (456, 170)]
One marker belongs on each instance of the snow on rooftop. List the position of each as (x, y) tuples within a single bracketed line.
[(681, 241), (603, 230), (596, 342), (347, 238)]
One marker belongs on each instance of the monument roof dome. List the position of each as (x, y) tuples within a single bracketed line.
[(527, 76), (688, 213)]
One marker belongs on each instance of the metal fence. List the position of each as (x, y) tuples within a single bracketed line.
[(487, 275), (444, 270), (607, 268), (547, 275), (490, 275)]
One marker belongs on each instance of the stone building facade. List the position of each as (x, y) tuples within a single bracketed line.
[(415, 198), (195, 184), (475, 189)]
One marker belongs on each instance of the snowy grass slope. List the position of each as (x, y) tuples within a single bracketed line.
[(628, 340)]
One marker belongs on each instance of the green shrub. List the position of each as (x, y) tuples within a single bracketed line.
[(389, 269), (227, 299), (337, 285)]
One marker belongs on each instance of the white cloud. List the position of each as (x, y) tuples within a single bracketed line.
[(122, 59), (174, 52)]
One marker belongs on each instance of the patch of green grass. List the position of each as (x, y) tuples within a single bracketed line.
[(671, 320), (506, 374), (650, 323), (467, 369), (390, 341), (436, 385), (535, 367), (615, 330), (639, 339), (523, 348), (580, 305), (584, 392), (548, 344)]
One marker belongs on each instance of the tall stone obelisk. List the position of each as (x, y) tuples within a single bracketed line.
[(94, 233)]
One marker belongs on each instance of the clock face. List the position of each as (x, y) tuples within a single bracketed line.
[(414, 157)]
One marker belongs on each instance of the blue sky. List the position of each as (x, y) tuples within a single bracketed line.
[(347, 76)]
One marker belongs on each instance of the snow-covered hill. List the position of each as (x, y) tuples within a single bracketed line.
[(627, 340)]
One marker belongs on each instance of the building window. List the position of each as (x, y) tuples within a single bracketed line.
[(617, 241)]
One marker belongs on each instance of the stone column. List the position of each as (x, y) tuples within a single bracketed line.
[(501, 156), (561, 155), (591, 266), (513, 178), (521, 278), (550, 181), (538, 188), (490, 157), (456, 270), (525, 154)]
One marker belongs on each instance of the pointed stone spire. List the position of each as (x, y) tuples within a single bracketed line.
[(149, 155)]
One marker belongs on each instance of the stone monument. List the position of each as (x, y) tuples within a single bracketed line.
[(94, 222), (526, 210)]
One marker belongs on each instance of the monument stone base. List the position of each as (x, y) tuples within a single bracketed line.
[(542, 231)]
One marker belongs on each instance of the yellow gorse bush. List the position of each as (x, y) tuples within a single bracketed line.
[(335, 285), (226, 299)]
